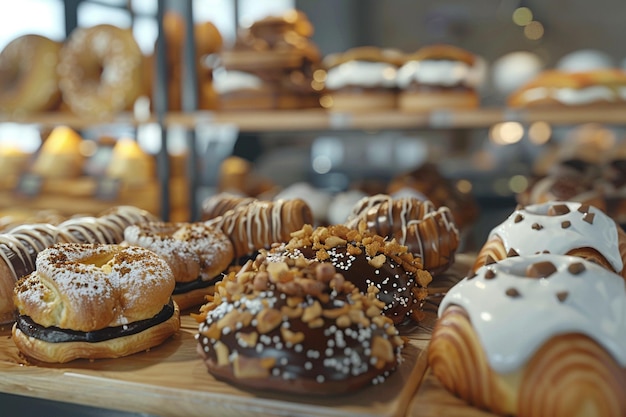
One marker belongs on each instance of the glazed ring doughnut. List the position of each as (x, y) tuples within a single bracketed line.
[(100, 70), (296, 328), (196, 253), (28, 78), (94, 301), (428, 232)]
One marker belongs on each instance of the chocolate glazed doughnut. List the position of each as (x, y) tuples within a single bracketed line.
[(365, 259), (260, 224), (429, 233), (293, 328)]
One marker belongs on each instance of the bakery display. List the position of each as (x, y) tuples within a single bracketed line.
[(365, 259), (20, 245), (260, 224), (362, 78), (565, 228), (220, 203), (196, 253), (60, 155), (439, 76), (299, 328), (101, 70), (426, 182), (560, 88), (28, 74), (537, 335), (429, 233), (270, 66), (94, 301)]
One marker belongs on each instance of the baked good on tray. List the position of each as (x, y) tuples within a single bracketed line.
[(365, 259), (94, 301), (439, 76), (565, 228), (537, 335), (299, 327), (558, 88), (362, 78), (428, 232), (196, 253)]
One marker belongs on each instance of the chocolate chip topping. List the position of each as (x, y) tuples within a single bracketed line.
[(518, 218), (537, 226), (511, 253), (588, 217), (540, 269), (576, 268), (489, 260), (490, 274), (559, 210), (566, 224), (512, 292), (562, 295), (584, 208)]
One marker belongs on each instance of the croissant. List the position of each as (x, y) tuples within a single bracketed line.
[(524, 337), (429, 233), (566, 228), (262, 223)]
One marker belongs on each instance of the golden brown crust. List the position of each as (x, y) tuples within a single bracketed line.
[(260, 224), (28, 78), (365, 53), (83, 56), (569, 375), (442, 51), (113, 348), (363, 100), (7, 282)]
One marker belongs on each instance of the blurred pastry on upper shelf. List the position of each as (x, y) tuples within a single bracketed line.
[(130, 163), (362, 78), (28, 75), (270, 67), (60, 155), (559, 88), (13, 161), (440, 76)]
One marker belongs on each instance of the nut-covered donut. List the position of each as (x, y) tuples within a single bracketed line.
[(565, 228), (298, 328), (366, 259), (196, 253), (100, 70), (428, 232), (94, 301), (28, 78), (260, 224)]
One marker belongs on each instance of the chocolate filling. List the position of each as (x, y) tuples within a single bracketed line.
[(57, 335), (185, 287)]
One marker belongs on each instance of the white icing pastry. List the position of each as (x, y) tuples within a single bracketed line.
[(436, 72), (532, 229), (361, 74), (575, 96), (513, 314), (225, 82)]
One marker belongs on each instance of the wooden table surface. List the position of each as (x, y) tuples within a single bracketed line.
[(171, 380)]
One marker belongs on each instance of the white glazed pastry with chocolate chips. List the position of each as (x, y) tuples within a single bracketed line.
[(537, 335), (298, 327), (566, 228)]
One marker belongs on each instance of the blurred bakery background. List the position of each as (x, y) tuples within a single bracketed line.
[(260, 111)]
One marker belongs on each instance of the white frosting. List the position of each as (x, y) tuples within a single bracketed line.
[(511, 329), (575, 96), (361, 74), (228, 81), (436, 72), (599, 233)]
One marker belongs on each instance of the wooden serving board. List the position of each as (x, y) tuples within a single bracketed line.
[(171, 380)]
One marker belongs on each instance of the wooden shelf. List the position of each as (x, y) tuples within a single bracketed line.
[(322, 120)]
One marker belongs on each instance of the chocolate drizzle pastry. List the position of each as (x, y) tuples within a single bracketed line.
[(366, 259), (296, 326)]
